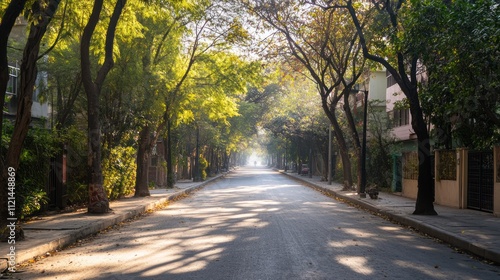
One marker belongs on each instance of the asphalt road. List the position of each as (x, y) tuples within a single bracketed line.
[(258, 224)]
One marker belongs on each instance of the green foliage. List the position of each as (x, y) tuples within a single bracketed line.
[(379, 166), (410, 165), (39, 147), (213, 98), (31, 176), (33, 201), (380, 146), (203, 167), (78, 193), (459, 43), (76, 164), (119, 172), (295, 122), (447, 165)]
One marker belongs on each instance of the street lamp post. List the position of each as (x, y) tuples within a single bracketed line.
[(362, 187)]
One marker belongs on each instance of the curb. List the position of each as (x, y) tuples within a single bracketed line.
[(75, 235), (445, 236)]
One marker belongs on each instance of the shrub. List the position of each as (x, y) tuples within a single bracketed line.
[(39, 147), (203, 167), (119, 172), (76, 165)]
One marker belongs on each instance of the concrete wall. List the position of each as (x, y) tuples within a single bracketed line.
[(410, 188), (448, 193), (451, 192), (40, 110), (377, 87)]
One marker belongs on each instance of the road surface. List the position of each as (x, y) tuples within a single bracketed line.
[(258, 224)]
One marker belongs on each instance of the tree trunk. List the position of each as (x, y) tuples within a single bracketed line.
[(143, 155), (98, 201), (218, 160), (407, 81), (344, 156), (7, 22), (226, 160), (425, 194), (170, 163), (354, 135), (145, 146), (343, 149), (27, 84)]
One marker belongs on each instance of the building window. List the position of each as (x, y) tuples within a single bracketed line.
[(401, 117), (12, 85), (390, 80)]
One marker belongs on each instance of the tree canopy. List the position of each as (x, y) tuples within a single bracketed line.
[(459, 46)]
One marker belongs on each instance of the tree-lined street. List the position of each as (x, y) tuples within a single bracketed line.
[(258, 224), (137, 103)]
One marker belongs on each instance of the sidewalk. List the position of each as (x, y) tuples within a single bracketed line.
[(50, 233), (469, 230)]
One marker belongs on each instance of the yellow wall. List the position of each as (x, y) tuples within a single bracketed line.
[(450, 192), (410, 188)]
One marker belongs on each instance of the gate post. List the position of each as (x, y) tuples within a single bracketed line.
[(496, 180)]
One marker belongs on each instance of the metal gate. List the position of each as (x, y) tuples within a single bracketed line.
[(480, 181), (397, 175), (57, 188)]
